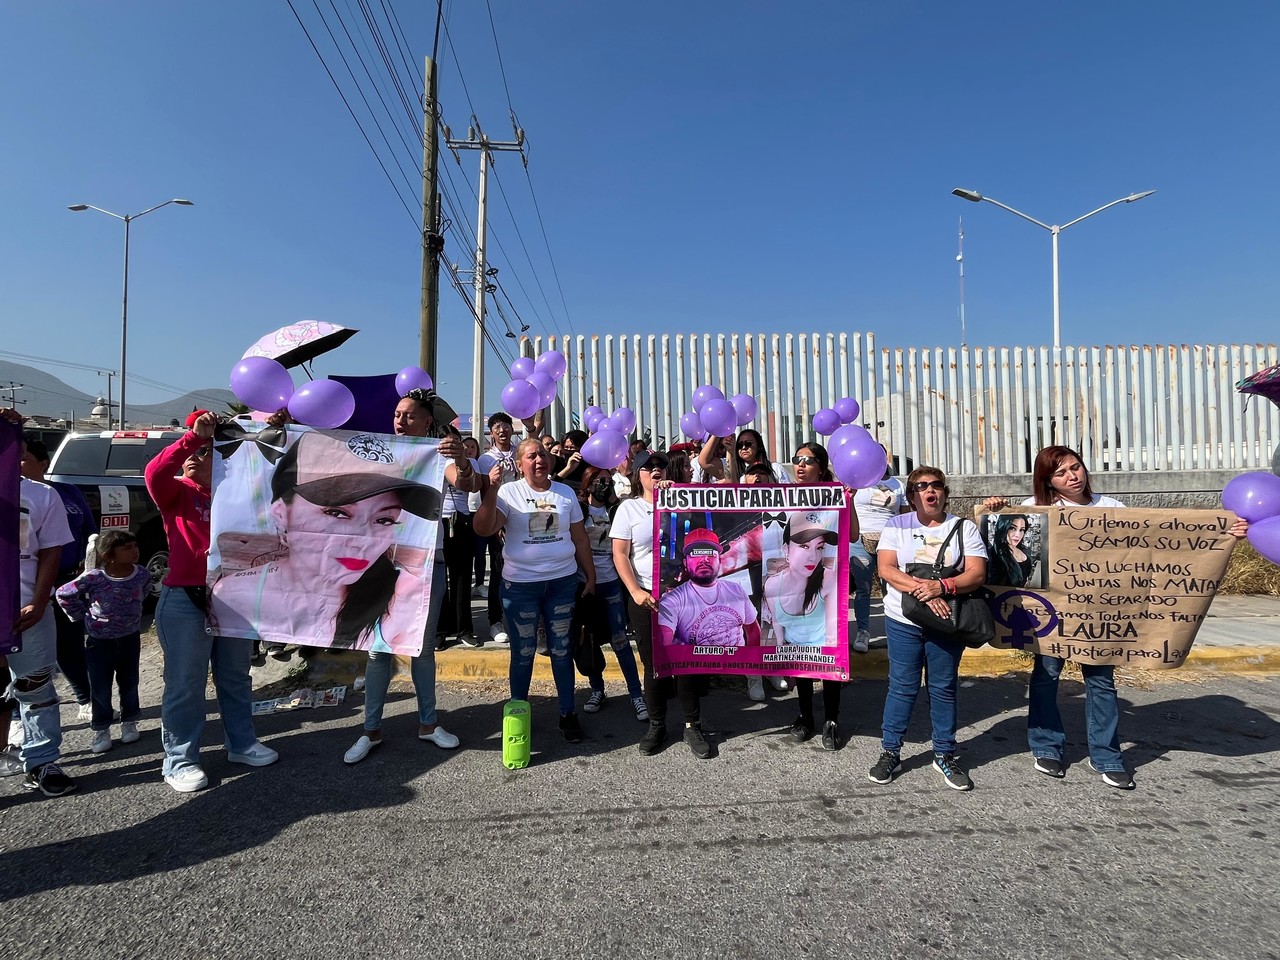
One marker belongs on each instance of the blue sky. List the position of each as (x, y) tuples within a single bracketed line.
[(700, 167)]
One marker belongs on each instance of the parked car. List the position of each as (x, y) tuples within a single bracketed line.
[(107, 468)]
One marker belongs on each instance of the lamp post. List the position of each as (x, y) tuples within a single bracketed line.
[(1053, 229), (128, 218)]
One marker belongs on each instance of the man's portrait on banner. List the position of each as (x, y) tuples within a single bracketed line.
[(706, 610)]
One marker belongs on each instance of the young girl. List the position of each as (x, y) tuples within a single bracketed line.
[(109, 600)]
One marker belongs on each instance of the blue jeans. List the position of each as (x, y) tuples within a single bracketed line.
[(523, 604), (31, 676), (861, 573), (609, 593), (1101, 713), (911, 650), (422, 668), (114, 659), (189, 651)]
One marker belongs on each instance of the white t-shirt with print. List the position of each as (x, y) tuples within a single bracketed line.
[(707, 616), (877, 504), (633, 520), (42, 523), (596, 521), (913, 542), (538, 544)]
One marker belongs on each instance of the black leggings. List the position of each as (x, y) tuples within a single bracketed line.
[(830, 698), (658, 692)]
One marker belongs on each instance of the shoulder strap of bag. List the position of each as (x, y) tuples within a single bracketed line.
[(941, 560)]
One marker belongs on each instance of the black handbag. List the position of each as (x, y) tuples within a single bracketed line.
[(971, 621)]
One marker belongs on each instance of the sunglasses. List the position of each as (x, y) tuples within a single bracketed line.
[(746, 444), (654, 467), (201, 453), (804, 461), (924, 485)]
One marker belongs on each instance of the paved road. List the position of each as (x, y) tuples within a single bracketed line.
[(772, 850)]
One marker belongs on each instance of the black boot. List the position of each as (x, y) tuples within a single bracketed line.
[(698, 744), (653, 738)]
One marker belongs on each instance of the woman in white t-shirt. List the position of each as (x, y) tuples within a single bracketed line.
[(603, 618), (1059, 479), (633, 541), (917, 537), (544, 548)]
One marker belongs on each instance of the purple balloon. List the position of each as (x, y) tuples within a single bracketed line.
[(545, 386), (718, 417), (261, 383), (592, 417), (1265, 537), (521, 368), (622, 420), (847, 408), (605, 449), (703, 394), (1254, 496), (826, 421), (745, 406), (552, 363), (323, 404), (690, 426), (520, 399), (413, 378), (859, 467), (842, 436)]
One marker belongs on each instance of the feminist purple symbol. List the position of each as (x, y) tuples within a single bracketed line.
[(1024, 626)]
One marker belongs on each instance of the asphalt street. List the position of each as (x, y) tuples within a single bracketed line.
[(773, 849)]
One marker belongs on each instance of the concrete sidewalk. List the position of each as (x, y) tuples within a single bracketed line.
[(1241, 635)]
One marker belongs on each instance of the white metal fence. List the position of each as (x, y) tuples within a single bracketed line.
[(970, 411)]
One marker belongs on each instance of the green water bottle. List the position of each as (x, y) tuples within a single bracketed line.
[(515, 734)]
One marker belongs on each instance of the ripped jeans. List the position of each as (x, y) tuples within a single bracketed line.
[(523, 604), (31, 675)]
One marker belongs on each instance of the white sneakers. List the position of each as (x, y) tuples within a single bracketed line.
[(755, 689), (441, 738), (129, 732), (861, 641), (258, 755), (364, 746), (497, 634), (101, 741), (187, 779)]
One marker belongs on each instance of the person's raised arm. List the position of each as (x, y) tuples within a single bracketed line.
[(489, 519), (459, 473), (708, 460), (161, 473)]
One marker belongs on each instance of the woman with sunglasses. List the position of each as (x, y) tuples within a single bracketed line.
[(633, 545), (812, 465), (746, 452), (1059, 479), (918, 537)]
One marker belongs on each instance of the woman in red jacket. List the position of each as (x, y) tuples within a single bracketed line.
[(189, 648)]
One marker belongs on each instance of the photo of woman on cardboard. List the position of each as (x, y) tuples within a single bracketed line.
[(338, 503), (1014, 541)]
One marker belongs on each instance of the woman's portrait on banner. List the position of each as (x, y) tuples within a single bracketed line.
[(1016, 548)]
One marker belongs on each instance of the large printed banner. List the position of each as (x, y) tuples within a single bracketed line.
[(752, 579), (324, 537), (1104, 586)]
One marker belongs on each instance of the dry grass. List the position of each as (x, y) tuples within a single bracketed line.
[(1249, 572)]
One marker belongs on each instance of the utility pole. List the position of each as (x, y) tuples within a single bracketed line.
[(477, 140), (13, 387), (108, 374), (432, 241)]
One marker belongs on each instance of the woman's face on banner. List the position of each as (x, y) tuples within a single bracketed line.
[(1016, 533), (805, 557), (361, 532)]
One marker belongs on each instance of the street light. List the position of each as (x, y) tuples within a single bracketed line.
[(128, 218), (976, 197)]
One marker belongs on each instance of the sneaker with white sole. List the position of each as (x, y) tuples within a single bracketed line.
[(258, 755), (360, 749), (101, 741), (85, 712), (886, 767), (862, 641), (498, 635), (441, 737), (10, 765), (1119, 779), (1050, 767), (755, 689), (129, 731), (947, 765), (641, 708), (594, 702), (187, 779), (49, 779)]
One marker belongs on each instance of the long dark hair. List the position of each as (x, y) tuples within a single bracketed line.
[(1047, 463), (813, 585), (1004, 568), (736, 467)]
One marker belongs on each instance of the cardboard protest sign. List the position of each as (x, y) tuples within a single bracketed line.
[(1105, 585), (752, 579), (324, 537)]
